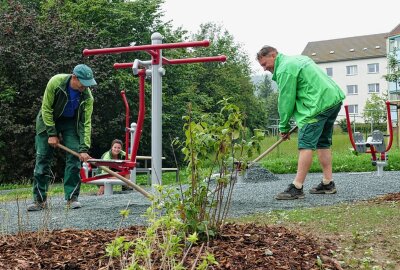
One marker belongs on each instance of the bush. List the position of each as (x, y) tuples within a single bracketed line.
[(364, 128)]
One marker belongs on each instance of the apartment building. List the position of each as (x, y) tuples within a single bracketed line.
[(357, 64)]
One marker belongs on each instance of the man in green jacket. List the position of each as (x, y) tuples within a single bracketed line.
[(314, 100), (66, 110)]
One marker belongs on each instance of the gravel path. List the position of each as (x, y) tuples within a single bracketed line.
[(253, 194)]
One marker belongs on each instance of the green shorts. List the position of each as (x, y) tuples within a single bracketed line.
[(317, 134)]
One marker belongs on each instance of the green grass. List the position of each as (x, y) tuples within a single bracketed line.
[(284, 158), (368, 233), (281, 160)]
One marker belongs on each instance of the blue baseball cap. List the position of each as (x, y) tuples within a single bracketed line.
[(84, 75)]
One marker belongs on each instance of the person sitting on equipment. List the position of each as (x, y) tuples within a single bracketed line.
[(115, 152)]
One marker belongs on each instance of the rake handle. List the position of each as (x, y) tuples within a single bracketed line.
[(266, 152)]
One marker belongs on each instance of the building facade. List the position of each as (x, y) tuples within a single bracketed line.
[(357, 64)]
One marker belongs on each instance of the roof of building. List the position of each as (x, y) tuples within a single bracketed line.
[(395, 31), (350, 48)]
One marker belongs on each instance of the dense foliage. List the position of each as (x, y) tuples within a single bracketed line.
[(39, 39)]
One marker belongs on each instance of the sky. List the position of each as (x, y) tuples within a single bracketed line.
[(287, 25)]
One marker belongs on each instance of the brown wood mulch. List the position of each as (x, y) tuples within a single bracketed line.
[(238, 247)]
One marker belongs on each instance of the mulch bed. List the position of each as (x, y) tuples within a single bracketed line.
[(238, 247), (391, 197)]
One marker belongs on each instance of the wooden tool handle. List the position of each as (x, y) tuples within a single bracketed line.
[(266, 152)]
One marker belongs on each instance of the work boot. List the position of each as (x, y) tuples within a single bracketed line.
[(36, 206), (291, 193), (73, 203), (324, 189)]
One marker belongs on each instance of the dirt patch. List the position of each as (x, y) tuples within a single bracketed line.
[(246, 246)]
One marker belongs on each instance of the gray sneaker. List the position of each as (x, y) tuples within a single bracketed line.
[(291, 193), (324, 189), (73, 204), (36, 206)]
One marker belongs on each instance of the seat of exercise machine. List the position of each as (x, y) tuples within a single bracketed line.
[(376, 139)]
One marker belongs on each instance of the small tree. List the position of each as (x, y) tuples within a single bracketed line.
[(218, 141), (375, 110), (393, 68)]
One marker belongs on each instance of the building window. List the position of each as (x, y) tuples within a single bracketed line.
[(373, 68), (353, 109), (394, 88), (351, 70), (329, 72), (373, 88), (352, 89), (394, 46)]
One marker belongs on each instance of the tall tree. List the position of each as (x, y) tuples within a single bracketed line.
[(31, 52), (264, 87), (37, 43)]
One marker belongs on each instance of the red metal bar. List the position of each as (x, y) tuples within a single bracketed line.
[(123, 65), (221, 58), (390, 126), (373, 152), (166, 61), (127, 125), (140, 119), (349, 131), (102, 176), (147, 48)]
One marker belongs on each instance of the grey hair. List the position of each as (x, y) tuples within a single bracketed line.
[(265, 50)]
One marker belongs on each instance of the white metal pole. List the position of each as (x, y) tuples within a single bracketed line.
[(132, 134), (156, 114)]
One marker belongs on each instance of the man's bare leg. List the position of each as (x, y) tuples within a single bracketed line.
[(325, 159), (303, 166)]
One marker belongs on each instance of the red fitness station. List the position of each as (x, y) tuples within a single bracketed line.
[(150, 68)]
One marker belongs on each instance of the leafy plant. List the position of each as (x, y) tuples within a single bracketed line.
[(214, 142), (164, 243)]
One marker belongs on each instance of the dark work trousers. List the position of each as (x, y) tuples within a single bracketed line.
[(44, 157)]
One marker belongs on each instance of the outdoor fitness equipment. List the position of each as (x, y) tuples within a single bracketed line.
[(154, 69), (124, 167), (375, 141)]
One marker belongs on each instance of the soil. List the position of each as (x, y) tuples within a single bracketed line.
[(239, 246)]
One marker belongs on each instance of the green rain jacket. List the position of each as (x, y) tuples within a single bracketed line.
[(304, 90), (55, 99)]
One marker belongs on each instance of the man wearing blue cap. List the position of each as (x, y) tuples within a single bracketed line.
[(66, 110)]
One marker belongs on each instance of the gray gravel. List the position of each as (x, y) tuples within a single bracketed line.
[(251, 195)]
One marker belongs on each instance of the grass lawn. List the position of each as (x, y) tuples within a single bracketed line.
[(280, 161), (284, 158), (367, 233)]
